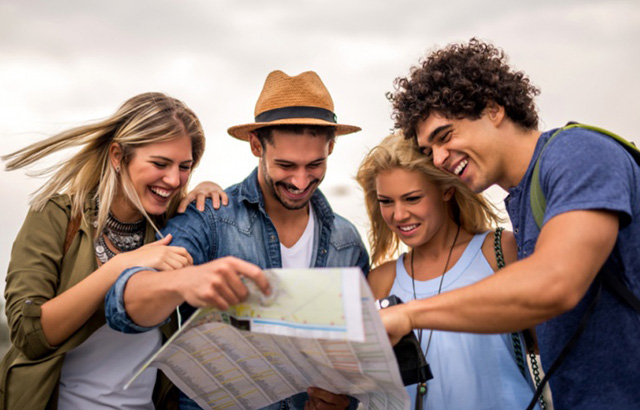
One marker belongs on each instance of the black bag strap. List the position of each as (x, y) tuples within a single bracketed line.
[(614, 284), (571, 343)]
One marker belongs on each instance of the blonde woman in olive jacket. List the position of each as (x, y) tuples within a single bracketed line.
[(131, 170)]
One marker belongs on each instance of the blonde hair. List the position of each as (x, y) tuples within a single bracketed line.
[(467, 209), (144, 119)]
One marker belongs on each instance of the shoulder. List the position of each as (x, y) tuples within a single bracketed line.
[(583, 147), (582, 170), (508, 246), (45, 228), (241, 211), (58, 202), (56, 211), (342, 224), (381, 279), (343, 232)]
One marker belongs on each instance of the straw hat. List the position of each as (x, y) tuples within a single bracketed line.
[(299, 100)]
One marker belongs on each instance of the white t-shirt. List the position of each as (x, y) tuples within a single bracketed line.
[(300, 254), (94, 373)]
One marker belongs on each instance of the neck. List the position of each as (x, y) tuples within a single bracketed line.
[(517, 153), (440, 243), (124, 211), (289, 223)]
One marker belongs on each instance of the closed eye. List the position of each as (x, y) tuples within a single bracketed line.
[(444, 137), (426, 151)]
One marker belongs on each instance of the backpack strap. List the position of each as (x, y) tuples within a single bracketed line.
[(536, 197), (604, 278)]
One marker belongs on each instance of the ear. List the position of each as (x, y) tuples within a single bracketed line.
[(495, 113), (256, 146), (115, 155), (331, 144), (448, 194)]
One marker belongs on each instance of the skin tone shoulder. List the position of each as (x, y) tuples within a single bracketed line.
[(494, 150)]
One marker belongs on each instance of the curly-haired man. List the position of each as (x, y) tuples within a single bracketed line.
[(476, 117)]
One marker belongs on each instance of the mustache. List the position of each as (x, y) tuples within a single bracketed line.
[(291, 186)]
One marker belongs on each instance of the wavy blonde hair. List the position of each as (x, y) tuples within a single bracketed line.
[(144, 119), (470, 211)]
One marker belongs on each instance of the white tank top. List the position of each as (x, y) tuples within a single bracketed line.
[(94, 373)]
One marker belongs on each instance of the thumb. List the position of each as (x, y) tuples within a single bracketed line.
[(162, 242)]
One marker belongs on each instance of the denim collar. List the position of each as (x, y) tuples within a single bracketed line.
[(249, 191)]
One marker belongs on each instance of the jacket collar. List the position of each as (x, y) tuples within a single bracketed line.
[(249, 191)]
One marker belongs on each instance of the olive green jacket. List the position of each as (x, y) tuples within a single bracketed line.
[(39, 271)]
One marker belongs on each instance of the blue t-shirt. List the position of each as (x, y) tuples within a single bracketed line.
[(581, 170)]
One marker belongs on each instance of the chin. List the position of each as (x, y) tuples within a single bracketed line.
[(155, 209)]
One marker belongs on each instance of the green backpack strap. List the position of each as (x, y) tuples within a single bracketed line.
[(536, 197)]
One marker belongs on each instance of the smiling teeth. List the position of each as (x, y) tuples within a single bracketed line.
[(460, 167), (295, 191), (161, 192), (408, 228)]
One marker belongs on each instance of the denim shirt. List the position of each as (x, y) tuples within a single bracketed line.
[(244, 230)]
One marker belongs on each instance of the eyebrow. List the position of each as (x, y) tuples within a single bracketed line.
[(437, 131), (285, 161), (168, 159), (406, 194), (417, 191)]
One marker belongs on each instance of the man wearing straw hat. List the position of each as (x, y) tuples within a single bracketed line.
[(276, 217)]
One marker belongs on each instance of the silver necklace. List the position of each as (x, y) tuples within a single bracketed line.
[(123, 235), (102, 250), (422, 387)]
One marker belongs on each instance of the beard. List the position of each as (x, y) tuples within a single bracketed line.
[(288, 203)]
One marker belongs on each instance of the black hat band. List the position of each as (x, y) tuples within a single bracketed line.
[(297, 112)]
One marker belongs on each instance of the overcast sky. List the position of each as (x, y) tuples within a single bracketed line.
[(63, 63)]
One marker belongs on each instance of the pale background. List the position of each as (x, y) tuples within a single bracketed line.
[(63, 63)]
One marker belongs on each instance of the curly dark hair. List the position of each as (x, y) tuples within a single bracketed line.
[(459, 81)]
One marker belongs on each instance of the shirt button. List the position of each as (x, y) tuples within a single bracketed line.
[(28, 302), (323, 251), (272, 238), (515, 230)]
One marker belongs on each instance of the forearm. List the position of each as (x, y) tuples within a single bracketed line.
[(63, 315), (510, 301), (570, 251), (150, 297)]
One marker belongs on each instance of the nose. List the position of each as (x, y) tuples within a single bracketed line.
[(400, 212), (172, 177), (300, 179), (440, 156)]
